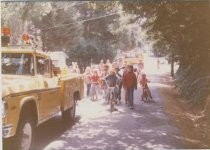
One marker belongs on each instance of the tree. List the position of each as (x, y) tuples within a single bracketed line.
[(55, 22), (97, 41), (184, 27), (20, 20), (59, 28)]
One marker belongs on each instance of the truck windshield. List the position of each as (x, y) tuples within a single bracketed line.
[(17, 63)]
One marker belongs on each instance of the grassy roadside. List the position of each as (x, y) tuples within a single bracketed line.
[(195, 129)]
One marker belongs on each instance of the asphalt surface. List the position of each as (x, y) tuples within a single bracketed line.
[(145, 127), (95, 127)]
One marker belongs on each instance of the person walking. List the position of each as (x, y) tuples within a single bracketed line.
[(125, 68), (119, 83), (103, 85), (130, 83), (94, 85), (158, 63), (108, 63), (101, 65), (140, 66), (87, 78)]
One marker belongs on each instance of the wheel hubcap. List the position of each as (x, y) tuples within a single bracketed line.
[(27, 136)]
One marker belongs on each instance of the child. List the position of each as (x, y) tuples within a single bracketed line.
[(103, 86), (87, 75), (94, 85), (143, 83), (111, 81), (130, 83)]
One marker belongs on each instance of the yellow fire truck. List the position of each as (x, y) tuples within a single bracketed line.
[(33, 91)]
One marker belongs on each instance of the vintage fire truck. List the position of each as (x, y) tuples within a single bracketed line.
[(33, 91)]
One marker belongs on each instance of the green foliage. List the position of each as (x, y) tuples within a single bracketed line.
[(97, 41), (85, 30), (180, 29), (57, 30)]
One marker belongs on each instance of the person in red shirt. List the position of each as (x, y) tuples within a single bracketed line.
[(129, 84), (94, 85), (144, 85)]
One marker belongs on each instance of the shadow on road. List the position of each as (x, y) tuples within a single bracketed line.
[(52, 129), (46, 132), (145, 127)]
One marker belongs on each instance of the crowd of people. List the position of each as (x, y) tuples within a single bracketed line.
[(99, 79)]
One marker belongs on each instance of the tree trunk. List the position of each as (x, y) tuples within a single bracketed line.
[(172, 64)]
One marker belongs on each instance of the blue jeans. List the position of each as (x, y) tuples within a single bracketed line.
[(130, 92)]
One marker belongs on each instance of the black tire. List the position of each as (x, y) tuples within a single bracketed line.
[(69, 114), (25, 134)]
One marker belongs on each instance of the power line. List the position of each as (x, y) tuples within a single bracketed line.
[(81, 3), (82, 21), (77, 4)]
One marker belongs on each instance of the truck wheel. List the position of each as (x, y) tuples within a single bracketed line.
[(69, 114), (25, 135)]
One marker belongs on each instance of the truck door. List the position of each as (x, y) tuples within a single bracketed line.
[(49, 100)]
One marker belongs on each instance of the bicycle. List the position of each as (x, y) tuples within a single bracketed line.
[(146, 94), (112, 98)]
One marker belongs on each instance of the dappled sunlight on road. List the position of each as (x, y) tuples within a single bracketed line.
[(145, 127), (194, 141), (56, 144)]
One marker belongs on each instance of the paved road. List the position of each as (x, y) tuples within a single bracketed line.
[(145, 127)]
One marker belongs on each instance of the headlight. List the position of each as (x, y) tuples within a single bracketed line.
[(4, 108)]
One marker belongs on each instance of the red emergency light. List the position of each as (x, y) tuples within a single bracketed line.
[(6, 31), (25, 37)]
